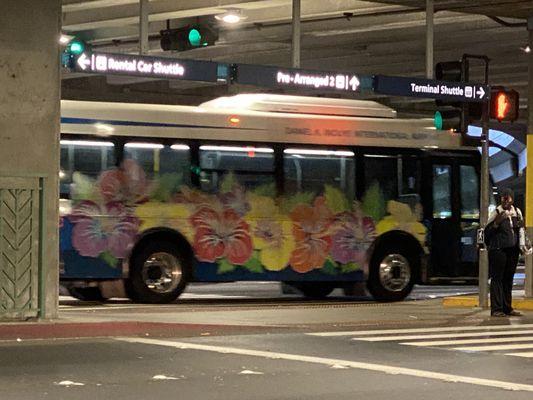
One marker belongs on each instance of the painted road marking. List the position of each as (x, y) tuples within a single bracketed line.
[(468, 341), (497, 347), (528, 354), (421, 330), (445, 335), (388, 369)]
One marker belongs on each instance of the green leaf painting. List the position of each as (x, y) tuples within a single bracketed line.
[(166, 186), (253, 264), (228, 182), (350, 267), (224, 266), (374, 202), (109, 259), (266, 190), (83, 188), (335, 199), (289, 202), (330, 267)]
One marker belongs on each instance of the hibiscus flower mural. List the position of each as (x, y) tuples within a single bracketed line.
[(311, 234), (354, 234), (103, 228), (272, 232), (220, 232), (128, 184)]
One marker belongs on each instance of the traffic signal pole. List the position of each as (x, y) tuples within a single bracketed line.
[(484, 208), (483, 273), (529, 171)]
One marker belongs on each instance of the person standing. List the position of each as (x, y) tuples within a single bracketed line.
[(505, 238)]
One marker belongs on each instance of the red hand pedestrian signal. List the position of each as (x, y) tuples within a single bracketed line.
[(504, 104)]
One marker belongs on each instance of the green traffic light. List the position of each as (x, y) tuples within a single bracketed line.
[(438, 121), (76, 47), (195, 37)]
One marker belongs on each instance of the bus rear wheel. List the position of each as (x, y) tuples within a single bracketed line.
[(158, 273), (392, 274)]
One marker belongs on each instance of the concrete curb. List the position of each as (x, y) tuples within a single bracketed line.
[(65, 330), (519, 303)]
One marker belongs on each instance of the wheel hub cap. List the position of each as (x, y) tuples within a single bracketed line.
[(394, 272), (162, 272)]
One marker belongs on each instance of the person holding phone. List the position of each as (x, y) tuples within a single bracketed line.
[(505, 238)]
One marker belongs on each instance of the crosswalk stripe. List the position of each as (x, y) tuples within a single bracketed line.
[(468, 341), (444, 335), (496, 348), (421, 330), (528, 354)]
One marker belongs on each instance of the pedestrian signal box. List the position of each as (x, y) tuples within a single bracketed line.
[(504, 104)]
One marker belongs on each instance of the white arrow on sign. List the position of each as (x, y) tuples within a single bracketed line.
[(480, 92), (83, 62)]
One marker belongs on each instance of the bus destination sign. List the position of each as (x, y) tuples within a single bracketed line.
[(145, 66), (268, 76), (433, 89)]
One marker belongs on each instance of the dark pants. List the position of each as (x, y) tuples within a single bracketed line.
[(502, 266)]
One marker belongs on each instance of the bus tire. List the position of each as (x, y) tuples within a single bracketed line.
[(90, 293), (158, 274), (315, 290), (392, 273)]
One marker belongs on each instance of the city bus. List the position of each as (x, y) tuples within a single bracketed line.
[(312, 192)]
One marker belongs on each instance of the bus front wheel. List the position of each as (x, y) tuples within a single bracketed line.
[(158, 273), (392, 274)]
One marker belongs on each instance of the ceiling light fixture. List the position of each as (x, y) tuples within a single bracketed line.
[(65, 39), (231, 16), (526, 49)]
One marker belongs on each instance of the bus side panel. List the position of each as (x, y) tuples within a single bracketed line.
[(208, 272)]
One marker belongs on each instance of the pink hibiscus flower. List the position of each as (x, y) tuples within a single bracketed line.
[(221, 234), (352, 238), (127, 184), (103, 228)]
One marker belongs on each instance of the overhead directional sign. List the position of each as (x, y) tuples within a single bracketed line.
[(135, 65), (279, 77), (429, 88)]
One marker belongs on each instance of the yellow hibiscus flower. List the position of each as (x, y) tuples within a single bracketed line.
[(402, 218), (156, 214), (271, 232)]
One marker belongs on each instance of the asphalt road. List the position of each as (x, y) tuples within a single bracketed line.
[(273, 366)]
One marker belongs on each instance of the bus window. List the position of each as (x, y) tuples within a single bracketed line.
[(250, 166), (442, 184), (158, 160), (309, 170), (85, 157), (469, 192), (382, 170)]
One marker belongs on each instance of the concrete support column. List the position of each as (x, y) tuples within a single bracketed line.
[(143, 26), (529, 169), (29, 150), (430, 37), (296, 15)]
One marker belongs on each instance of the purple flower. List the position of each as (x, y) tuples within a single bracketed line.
[(98, 229), (352, 237)]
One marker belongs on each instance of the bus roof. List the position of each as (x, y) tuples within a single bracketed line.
[(301, 105)]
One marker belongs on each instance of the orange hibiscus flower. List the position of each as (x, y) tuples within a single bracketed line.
[(221, 233), (311, 233)]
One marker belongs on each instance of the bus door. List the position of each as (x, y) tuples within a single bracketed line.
[(469, 215), (445, 220)]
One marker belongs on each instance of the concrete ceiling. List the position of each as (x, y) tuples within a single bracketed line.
[(386, 37)]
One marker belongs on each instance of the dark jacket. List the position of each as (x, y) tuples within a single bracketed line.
[(507, 234)]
